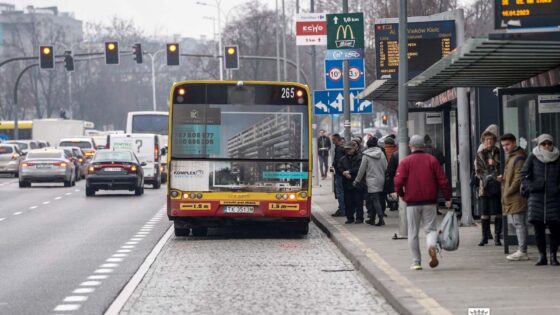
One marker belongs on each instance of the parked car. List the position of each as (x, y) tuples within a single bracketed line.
[(87, 144), (115, 170), (24, 145), (10, 157), (46, 165)]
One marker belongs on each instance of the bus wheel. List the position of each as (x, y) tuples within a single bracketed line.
[(200, 231), (300, 228), (182, 232)]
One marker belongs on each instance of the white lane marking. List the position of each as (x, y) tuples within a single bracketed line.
[(120, 255), (131, 243), (114, 260), (75, 298), (66, 307), (110, 265), (18, 213), (2, 219), (103, 270), (127, 291), (139, 235), (46, 202), (57, 198), (128, 246), (76, 190), (135, 239), (32, 207), (124, 251), (90, 283), (83, 290), (68, 193), (143, 233), (98, 277)]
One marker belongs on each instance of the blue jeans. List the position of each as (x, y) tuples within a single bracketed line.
[(373, 205), (339, 192)]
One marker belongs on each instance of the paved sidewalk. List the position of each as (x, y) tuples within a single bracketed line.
[(471, 277)]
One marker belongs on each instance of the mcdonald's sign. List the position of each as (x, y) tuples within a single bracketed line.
[(345, 31)]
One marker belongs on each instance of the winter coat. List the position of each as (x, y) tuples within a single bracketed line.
[(486, 172), (373, 166), (323, 145), (540, 180), (418, 177), (338, 154), (436, 153), (349, 163), (512, 200), (389, 150)]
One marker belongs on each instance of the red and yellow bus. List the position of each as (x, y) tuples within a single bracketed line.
[(239, 152)]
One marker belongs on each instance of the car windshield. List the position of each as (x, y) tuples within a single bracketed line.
[(77, 152), (44, 155), (21, 145), (6, 149), (80, 144), (113, 156)]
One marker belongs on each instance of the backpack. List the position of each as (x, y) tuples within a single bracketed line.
[(448, 232)]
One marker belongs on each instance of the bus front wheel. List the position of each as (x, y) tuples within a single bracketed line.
[(200, 231), (301, 228)]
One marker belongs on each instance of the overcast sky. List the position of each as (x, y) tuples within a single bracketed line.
[(154, 17), (161, 17)]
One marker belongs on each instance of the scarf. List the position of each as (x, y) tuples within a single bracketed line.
[(546, 156)]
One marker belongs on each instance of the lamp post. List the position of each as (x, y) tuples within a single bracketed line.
[(218, 7), (152, 58)]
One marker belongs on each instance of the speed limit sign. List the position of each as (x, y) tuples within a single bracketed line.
[(334, 74)]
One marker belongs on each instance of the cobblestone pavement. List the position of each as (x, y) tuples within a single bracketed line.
[(254, 272)]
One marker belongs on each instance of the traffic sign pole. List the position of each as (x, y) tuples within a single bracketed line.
[(403, 106), (346, 89)]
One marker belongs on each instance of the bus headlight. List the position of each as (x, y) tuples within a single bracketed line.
[(278, 196), (199, 196), (192, 195), (285, 197), (303, 194), (185, 196), (292, 196), (174, 194)]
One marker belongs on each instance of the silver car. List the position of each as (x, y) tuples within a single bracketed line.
[(10, 157), (47, 165)]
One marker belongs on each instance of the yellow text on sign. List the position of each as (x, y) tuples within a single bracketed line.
[(283, 206), (195, 206)]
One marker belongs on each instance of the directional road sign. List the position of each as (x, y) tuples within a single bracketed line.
[(334, 74), (332, 102), (311, 29), (345, 31)]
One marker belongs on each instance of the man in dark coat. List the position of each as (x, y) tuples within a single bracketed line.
[(348, 166), (541, 177), (323, 148), (338, 188)]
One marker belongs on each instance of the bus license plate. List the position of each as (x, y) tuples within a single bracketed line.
[(238, 209)]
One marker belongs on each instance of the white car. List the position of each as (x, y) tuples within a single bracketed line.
[(87, 144)]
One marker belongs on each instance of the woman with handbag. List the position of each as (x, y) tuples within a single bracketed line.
[(540, 179), (487, 168), (373, 167)]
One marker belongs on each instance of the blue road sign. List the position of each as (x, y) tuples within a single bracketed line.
[(343, 54), (334, 74), (332, 102)]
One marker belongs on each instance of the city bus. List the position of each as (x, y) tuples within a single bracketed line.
[(7, 130), (239, 153), (156, 122)]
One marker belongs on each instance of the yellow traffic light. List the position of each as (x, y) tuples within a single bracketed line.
[(111, 46), (46, 50), (231, 51), (172, 48)]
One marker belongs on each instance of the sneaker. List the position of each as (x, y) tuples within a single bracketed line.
[(416, 266), (518, 255), (433, 254)]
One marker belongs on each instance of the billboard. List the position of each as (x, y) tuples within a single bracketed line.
[(428, 42), (526, 14)]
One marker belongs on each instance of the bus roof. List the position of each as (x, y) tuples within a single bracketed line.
[(22, 124)]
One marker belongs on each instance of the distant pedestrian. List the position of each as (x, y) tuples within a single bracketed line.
[(514, 205), (418, 177), (323, 148), (373, 167), (349, 166), (487, 168), (390, 147), (429, 148), (540, 179), (338, 178)]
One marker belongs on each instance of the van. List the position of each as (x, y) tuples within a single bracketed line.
[(147, 147)]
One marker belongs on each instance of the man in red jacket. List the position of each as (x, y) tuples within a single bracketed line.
[(417, 180)]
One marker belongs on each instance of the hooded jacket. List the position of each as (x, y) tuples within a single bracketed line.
[(512, 200), (540, 179), (373, 166)]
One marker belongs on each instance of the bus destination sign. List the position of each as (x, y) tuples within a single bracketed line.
[(526, 13), (427, 43)]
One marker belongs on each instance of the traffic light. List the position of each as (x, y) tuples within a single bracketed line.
[(112, 53), (385, 118), (232, 57), (137, 52), (173, 54), (68, 61), (46, 57)]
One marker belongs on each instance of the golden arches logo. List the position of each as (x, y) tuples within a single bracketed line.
[(345, 29)]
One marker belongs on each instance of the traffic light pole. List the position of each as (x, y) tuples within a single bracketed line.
[(15, 107)]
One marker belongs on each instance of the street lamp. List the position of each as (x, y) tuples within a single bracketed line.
[(152, 58), (218, 7)]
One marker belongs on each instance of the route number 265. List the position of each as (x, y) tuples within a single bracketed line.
[(288, 92)]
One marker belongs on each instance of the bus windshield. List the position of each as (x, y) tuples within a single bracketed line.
[(150, 123), (245, 145)]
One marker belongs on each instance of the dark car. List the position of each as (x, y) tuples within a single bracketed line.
[(115, 170)]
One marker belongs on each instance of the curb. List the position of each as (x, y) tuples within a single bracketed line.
[(395, 295)]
